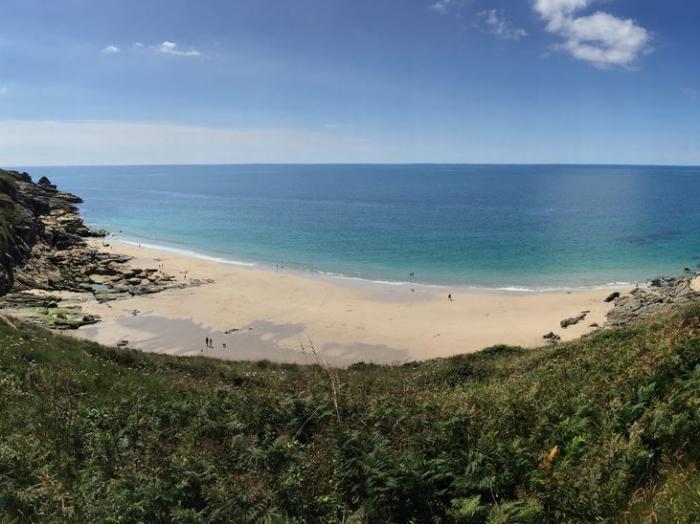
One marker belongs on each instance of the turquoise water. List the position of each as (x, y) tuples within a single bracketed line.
[(494, 226)]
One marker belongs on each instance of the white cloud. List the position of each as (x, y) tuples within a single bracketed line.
[(110, 50), (170, 48), (495, 22), (558, 12), (30, 143), (602, 39), (445, 6)]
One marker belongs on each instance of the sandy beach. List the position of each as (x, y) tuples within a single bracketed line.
[(262, 313)]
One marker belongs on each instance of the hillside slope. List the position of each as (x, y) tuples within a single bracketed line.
[(579, 432)]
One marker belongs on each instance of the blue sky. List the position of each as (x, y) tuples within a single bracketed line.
[(216, 81)]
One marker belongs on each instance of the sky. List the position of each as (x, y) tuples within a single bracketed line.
[(358, 81)]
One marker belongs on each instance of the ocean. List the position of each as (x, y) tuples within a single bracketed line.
[(498, 226)]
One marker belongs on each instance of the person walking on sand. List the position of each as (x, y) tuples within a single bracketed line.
[(449, 297), (206, 341)]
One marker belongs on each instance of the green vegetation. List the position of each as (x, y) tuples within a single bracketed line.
[(8, 192), (605, 428), (55, 317)]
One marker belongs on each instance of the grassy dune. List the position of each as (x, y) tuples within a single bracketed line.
[(605, 428)]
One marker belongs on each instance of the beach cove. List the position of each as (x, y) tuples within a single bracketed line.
[(278, 315)]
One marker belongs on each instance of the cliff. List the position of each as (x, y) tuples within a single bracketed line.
[(43, 248), (34, 216)]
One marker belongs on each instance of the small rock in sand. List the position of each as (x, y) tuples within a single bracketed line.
[(552, 337), (573, 320), (612, 296)]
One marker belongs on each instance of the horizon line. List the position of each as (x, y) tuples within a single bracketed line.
[(429, 163)]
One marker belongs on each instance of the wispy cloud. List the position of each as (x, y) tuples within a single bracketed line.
[(166, 47), (111, 142), (495, 22), (110, 50), (692, 93), (601, 39), (445, 6), (171, 48)]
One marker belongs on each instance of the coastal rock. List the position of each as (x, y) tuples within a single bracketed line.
[(573, 320), (44, 181), (662, 282), (43, 247), (552, 337), (46, 310), (663, 294), (612, 296), (695, 284)]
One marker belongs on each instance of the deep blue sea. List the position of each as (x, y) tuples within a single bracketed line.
[(495, 226)]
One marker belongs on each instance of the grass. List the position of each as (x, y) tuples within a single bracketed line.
[(601, 429)]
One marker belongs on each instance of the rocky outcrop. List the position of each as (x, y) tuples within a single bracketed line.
[(34, 219), (43, 247), (662, 295), (47, 310), (23, 206)]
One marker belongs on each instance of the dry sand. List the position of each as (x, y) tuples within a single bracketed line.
[(269, 314)]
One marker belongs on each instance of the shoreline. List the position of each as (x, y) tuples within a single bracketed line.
[(260, 313), (365, 281)]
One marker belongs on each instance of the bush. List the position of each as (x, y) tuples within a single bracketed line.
[(598, 429)]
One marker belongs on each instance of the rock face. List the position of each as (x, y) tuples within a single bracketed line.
[(43, 247), (663, 294), (24, 211), (35, 219)]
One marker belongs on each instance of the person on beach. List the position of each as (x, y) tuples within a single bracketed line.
[(206, 341), (449, 297)]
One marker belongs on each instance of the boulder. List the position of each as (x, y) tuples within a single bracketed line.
[(663, 294), (612, 296), (573, 320), (552, 337), (45, 182)]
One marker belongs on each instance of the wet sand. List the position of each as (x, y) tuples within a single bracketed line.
[(266, 314)]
